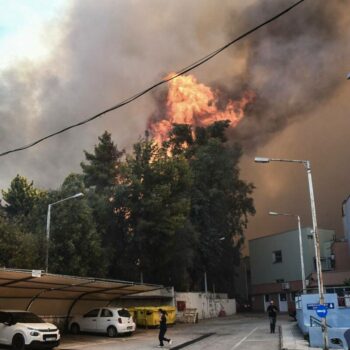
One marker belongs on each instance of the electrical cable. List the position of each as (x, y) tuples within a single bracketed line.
[(163, 81)]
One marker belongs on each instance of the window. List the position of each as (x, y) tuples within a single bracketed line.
[(124, 313), (3, 317), (267, 298), (26, 317), (283, 297), (92, 313), (277, 256), (106, 313)]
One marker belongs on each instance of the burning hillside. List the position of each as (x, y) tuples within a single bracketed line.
[(189, 102)]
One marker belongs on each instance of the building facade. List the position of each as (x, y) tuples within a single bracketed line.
[(276, 268), (346, 219)]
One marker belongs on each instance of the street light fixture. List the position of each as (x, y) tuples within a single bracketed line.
[(300, 246), (307, 166), (48, 226)]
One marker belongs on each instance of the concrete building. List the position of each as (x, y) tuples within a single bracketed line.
[(276, 268), (339, 275), (346, 219)]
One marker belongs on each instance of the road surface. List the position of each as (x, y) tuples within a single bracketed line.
[(241, 332)]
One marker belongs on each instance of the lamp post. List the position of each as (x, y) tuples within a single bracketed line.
[(300, 246), (307, 166), (48, 227)]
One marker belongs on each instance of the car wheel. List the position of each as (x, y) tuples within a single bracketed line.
[(18, 342), (74, 328), (112, 332)]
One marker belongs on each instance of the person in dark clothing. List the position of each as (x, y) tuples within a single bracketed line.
[(163, 329), (272, 312)]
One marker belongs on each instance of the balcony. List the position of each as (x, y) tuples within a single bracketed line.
[(327, 263)]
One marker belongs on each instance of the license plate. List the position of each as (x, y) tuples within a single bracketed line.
[(50, 339), (130, 327)]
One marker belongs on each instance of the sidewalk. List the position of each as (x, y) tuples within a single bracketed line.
[(293, 339)]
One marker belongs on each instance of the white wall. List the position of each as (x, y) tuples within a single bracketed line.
[(346, 219), (207, 305)]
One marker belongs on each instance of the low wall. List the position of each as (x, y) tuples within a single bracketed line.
[(208, 305)]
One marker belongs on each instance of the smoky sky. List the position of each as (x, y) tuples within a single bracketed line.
[(107, 51)]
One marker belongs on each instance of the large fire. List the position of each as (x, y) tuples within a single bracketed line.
[(189, 102)]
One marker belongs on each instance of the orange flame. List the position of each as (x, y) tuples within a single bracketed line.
[(189, 102)]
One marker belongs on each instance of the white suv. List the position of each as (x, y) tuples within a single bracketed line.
[(108, 320), (21, 328)]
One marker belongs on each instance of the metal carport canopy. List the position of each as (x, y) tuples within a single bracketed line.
[(50, 294)]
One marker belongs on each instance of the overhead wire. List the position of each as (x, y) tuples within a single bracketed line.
[(161, 82)]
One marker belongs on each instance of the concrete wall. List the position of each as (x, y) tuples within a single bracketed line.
[(346, 219), (208, 305), (264, 270), (342, 256), (303, 313), (338, 319)]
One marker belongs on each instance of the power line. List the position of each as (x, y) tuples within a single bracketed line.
[(163, 81)]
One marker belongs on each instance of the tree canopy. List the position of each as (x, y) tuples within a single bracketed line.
[(166, 213)]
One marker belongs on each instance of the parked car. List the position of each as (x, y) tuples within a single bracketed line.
[(110, 320), (243, 306), (21, 329)]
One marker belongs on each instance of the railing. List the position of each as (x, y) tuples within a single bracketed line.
[(343, 294), (327, 264), (317, 322)]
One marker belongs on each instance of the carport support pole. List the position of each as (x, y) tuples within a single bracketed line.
[(206, 290), (47, 238)]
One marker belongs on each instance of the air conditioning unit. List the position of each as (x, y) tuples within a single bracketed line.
[(285, 286)]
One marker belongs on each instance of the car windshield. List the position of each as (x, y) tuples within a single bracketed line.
[(124, 313), (26, 317)]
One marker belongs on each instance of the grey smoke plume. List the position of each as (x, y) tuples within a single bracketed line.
[(293, 65), (110, 50)]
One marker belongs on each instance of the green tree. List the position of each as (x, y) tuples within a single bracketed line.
[(152, 209), (220, 201), (101, 170), (75, 245), (21, 196), (101, 173), (18, 249)]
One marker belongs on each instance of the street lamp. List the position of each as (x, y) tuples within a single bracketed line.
[(48, 226), (307, 166), (300, 246)]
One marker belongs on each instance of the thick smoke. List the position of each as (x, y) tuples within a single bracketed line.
[(108, 51), (293, 64)]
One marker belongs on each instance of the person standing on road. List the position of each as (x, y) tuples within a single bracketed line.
[(163, 329), (272, 312)]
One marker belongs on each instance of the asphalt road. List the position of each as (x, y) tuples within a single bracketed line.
[(243, 332)]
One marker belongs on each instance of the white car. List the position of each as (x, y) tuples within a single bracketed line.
[(110, 320), (21, 329)]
